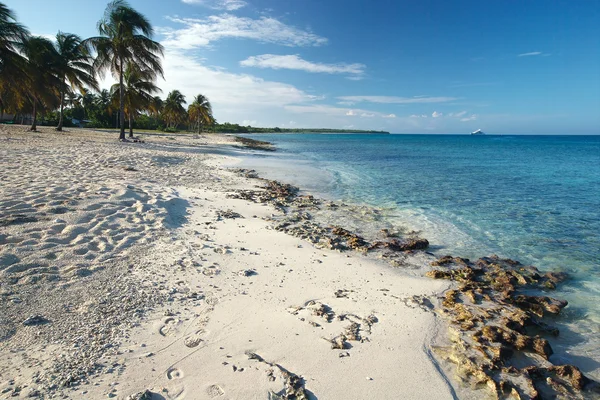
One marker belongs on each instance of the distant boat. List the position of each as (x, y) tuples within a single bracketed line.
[(478, 132)]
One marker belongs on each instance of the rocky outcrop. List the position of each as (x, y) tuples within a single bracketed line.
[(496, 326)]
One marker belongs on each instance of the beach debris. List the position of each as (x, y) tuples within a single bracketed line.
[(247, 272), (320, 310), (144, 395), (35, 320), (492, 312), (339, 342), (294, 385), (342, 293), (227, 214)]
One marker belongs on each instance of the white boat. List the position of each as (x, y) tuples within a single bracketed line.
[(478, 132)]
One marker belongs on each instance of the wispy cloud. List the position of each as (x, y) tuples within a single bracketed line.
[(530, 54), (201, 32), (436, 114), (471, 117), (337, 111), (395, 100), (294, 62), (229, 5), (473, 84)]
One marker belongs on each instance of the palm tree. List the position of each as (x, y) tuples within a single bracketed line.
[(200, 112), (72, 99), (104, 101), (138, 88), (173, 110), (42, 83), (125, 38), (12, 64), (88, 99), (156, 106), (75, 67)]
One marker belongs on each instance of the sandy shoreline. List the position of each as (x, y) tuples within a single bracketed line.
[(141, 274)]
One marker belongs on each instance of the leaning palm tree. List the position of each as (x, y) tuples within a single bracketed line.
[(173, 110), (42, 83), (125, 38), (200, 112), (12, 64), (75, 67), (138, 88)]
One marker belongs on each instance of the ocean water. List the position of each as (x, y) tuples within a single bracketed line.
[(535, 199)]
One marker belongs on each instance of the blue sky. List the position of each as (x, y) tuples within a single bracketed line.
[(530, 67)]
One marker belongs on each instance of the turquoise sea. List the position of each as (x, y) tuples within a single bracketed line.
[(535, 199)]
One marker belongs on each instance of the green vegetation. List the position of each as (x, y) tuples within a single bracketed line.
[(56, 84), (235, 128)]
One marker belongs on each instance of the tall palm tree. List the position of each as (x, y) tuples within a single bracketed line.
[(125, 38), (138, 88), (200, 112), (173, 110), (42, 83), (12, 64), (75, 67)]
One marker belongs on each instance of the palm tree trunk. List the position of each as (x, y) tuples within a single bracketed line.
[(199, 125), (121, 102), (34, 124), (130, 124), (60, 118)]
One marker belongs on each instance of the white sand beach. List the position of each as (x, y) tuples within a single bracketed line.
[(126, 268)]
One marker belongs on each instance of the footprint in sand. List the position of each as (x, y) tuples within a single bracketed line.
[(193, 340), (215, 391), (174, 373), (168, 327)]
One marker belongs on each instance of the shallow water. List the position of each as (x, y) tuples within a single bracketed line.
[(531, 198)]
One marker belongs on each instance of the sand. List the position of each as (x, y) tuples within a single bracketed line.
[(141, 274)]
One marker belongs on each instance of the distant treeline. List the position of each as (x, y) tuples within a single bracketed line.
[(235, 128)]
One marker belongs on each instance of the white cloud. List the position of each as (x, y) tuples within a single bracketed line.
[(458, 114), (240, 98), (229, 5), (436, 114), (201, 32), (396, 100), (532, 53), (296, 63), (472, 117), (336, 111)]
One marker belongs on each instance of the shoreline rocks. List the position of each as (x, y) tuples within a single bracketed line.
[(496, 326)]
